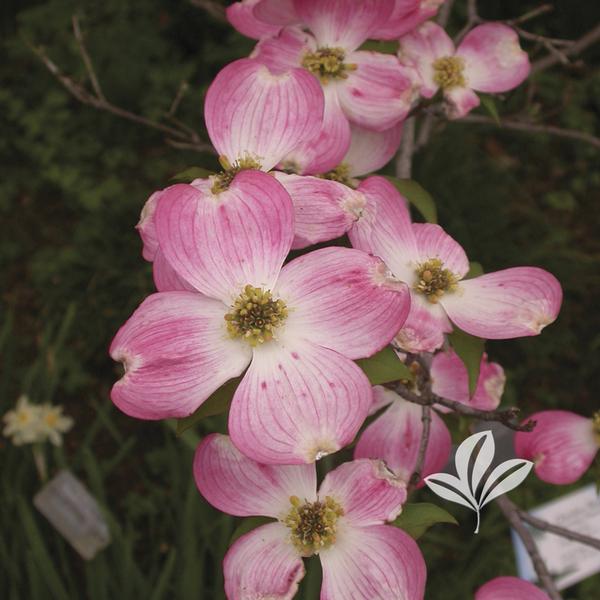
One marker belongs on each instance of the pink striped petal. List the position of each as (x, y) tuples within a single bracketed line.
[(434, 242), (494, 60), (166, 278), (239, 486), (298, 402), (220, 243), (343, 23), (424, 328), (250, 111), (395, 437), (562, 445), (371, 150), (379, 93), (406, 16), (324, 209), (384, 228), (263, 564), (367, 490), (241, 16), (421, 48), (276, 12), (460, 101), (176, 353), (510, 588), (342, 299), (327, 149), (506, 304), (285, 51), (380, 561), (147, 229), (450, 380)]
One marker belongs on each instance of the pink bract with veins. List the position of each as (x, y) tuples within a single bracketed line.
[(511, 303), (361, 556), (510, 588), (302, 396), (489, 59), (562, 445)]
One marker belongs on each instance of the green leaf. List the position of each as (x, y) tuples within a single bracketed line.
[(247, 525), (470, 350), (216, 404), (384, 367), (383, 47), (417, 518), (489, 105), (191, 173), (418, 196), (475, 270)]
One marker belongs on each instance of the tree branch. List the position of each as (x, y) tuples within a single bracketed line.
[(180, 135), (214, 9), (407, 149), (418, 472), (566, 533), (533, 128), (511, 513)]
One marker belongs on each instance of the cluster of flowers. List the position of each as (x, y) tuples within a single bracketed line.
[(35, 423), (296, 126)]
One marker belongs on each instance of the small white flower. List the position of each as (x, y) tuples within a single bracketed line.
[(23, 423), (53, 423)]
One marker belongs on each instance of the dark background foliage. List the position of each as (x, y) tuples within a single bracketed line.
[(74, 180)]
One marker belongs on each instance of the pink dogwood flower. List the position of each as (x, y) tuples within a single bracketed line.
[(242, 16), (562, 445), (295, 328), (449, 380), (407, 15), (369, 89), (505, 304), (489, 59), (395, 436), (343, 522), (510, 588)]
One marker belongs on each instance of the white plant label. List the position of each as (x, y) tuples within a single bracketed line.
[(475, 487)]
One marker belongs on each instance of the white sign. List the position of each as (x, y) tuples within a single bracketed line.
[(568, 561)]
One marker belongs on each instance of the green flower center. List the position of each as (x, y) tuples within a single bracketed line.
[(448, 72), (433, 281), (327, 63), (313, 524), (255, 315), (221, 181), (340, 174)]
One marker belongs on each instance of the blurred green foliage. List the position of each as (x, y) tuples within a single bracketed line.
[(74, 181)]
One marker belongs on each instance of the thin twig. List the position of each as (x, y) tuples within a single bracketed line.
[(534, 128), (407, 149), (180, 136), (87, 61), (511, 513), (507, 416), (183, 88), (444, 14), (532, 14), (587, 40), (561, 531), (215, 9), (418, 472)]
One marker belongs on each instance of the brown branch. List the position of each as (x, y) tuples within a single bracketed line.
[(444, 14), (181, 91), (532, 14), (511, 513), (426, 421), (214, 9), (584, 42), (566, 533), (179, 136), (507, 416), (533, 128)]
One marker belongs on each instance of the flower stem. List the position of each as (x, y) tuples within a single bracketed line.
[(40, 462)]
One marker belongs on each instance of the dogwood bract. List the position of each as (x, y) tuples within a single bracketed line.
[(297, 327), (510, 303), (510, 588), (562, 445), (343, 522), (489, 59)]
